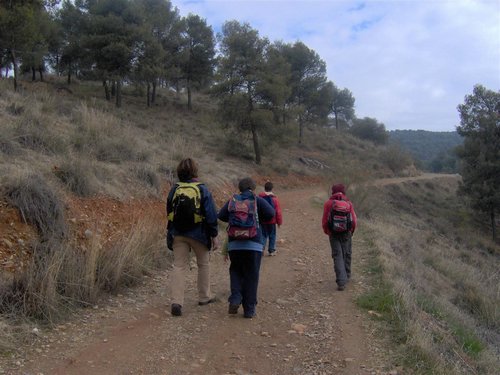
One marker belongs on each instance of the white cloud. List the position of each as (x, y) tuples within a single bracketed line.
[(408, 63)]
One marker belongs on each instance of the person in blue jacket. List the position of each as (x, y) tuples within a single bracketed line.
[(246, 254), (199, 237)]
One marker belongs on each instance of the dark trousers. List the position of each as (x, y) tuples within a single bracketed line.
[(341, 253), (269, 231), (244, 276)]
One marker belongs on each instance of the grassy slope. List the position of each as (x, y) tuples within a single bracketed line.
[(435, 278), (79, 144), (116, 150)]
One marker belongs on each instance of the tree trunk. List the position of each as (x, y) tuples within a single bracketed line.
[(255, 134), (188, 85), (148, 91), (300, 129), (14, 67), (70, 72), (40, 71), (106, 90), (58, 67), (493, 225), (153, 95), (118, 94), (336, 121), (256, 145), (33, 74), (284, 115), (113, 88)]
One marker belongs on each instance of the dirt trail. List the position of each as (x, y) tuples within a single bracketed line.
[(303, 324), (423, 176)]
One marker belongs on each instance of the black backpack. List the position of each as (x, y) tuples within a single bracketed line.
[(340, 219), (186, 210)]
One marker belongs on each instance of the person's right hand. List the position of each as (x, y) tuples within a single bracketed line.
[(215, 243)]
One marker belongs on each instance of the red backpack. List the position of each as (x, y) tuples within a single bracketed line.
[(243, 218), (340, 218)]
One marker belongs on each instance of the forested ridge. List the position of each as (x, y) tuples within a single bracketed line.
[(435, 150)]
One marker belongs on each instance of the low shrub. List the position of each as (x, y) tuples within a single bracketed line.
[(38, 204), (8, 146), (115, 151), (396, 159), (148, 176), (32, 132), (77, 177), (15, 109), (234, 146)]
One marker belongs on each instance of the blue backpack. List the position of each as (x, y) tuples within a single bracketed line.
[(269, 199)]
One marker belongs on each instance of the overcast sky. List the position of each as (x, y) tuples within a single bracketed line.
[(408, 63)]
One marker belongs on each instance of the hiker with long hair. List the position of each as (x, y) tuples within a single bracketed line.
[(192, 226)]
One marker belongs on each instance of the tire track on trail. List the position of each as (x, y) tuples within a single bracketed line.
[(303, 324)]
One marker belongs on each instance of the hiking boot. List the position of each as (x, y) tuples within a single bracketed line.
[(176, 309), (211, 300), (341, 287), (249, 315), (233, 309), (249, 311)]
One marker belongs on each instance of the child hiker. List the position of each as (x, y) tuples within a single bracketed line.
[(269, 227)]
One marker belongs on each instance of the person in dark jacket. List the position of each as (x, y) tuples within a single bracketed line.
[(246, 254), (340, 243), (200, 238)]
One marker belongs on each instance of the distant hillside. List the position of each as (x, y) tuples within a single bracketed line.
[(433, 149)]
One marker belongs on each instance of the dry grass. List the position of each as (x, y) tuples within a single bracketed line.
[(135, 255), (61, 276), (446, 294)]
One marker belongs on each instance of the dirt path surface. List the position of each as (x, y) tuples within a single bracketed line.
[(303, 324), (423, 176)]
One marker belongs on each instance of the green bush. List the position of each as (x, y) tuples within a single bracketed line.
[(395, 158)]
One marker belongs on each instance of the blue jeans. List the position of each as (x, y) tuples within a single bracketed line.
[(341, 254), (269, 231), (244, 277)]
